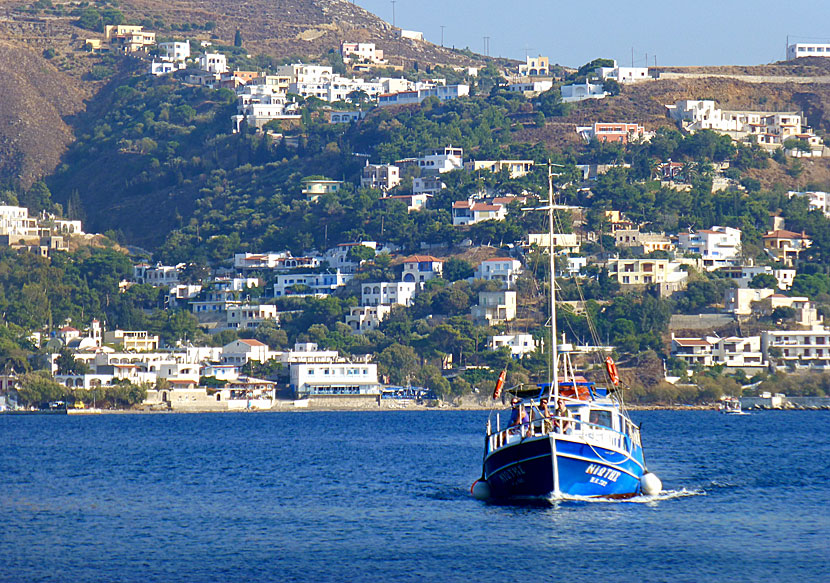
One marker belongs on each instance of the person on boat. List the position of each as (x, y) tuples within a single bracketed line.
[(544, 410), (563, 416), (518, 416)]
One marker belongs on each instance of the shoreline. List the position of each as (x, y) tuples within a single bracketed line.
[(287, 407)]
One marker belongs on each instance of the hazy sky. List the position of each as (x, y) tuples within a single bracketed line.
[(698, 32)]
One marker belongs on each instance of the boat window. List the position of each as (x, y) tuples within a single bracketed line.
[(601, 417)]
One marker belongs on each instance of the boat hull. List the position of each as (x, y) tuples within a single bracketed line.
[(526, 470)]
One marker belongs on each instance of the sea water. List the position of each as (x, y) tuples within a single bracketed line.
[(384, 496)]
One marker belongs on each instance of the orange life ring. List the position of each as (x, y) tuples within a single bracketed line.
[(613, 374), (500, 384)]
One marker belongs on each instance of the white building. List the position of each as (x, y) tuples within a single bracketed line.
[(387, 293), (768, 129), (636, 273), (364, 318), (246, 317), (421, 268), (380, 176), (278, 261), (732, 352), (817, 200), (799, 348), (582, 91), (321, 284), (519, 344), (157, 275), (159, 68), (174, 51), (495, 307), (503, 269), (415, 96), (243, 350), (413, 202), (411, 34), (216, 63), (624, 74), (562, 242), (342, 378), (302, 73), (718, 246), (361, 53), (743, 274), (441, 161), (531, 87), (515, 168), (259, 104), (336, 88), (427, 185), (132, 340), (798, 50), (738, 301), (538, 66), (470, 212)]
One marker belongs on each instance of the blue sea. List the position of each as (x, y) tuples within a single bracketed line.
[(384, 496)]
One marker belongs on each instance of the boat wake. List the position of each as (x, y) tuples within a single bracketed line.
[(642, 499)]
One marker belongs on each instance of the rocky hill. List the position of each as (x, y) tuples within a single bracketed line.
[(49, 78)]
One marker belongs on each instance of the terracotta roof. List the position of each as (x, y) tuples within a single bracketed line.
[(461, 204), (68, 329), (691, 342), (499, 259), (486, 207), (782, 234), (252, 342), (422, 258)]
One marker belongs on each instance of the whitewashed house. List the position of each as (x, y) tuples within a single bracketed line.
[(503, 269), (519, 344), (718, 246)]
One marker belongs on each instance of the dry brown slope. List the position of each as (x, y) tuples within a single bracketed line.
[(35, 100), (285, 28)]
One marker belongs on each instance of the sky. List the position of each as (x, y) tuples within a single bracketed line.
[(699, 32)]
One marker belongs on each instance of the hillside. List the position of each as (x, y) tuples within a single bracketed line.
[(37, 101), (40, 97)]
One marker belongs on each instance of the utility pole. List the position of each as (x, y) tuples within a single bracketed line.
[(442, 35), (486, 46), (632, 56), (393, 12)]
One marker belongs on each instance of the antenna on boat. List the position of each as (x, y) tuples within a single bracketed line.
[(554, 379)]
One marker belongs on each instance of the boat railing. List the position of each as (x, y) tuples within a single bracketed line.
[(598, 434)]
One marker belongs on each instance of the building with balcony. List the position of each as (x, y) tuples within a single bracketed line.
[(642, 243), (132, 340), (519, 344), (718, 246), (798, 348), (302, 284), (339, 378), (387, 293), (314, 188), (495, 307), (639, 273), (786, 246), (380, 176), (421, 268), (503, 269), (364, 318)]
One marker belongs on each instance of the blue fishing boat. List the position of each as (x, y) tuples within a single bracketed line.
[(566, 438)]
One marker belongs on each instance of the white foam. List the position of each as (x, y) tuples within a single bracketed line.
[(664, 495)]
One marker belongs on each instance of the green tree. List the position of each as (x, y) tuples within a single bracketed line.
[(456, 269), (237, 38), (39, 388), (762, 281), (398, 362)]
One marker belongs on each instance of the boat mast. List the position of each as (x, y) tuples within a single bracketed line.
[(553, 352)]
